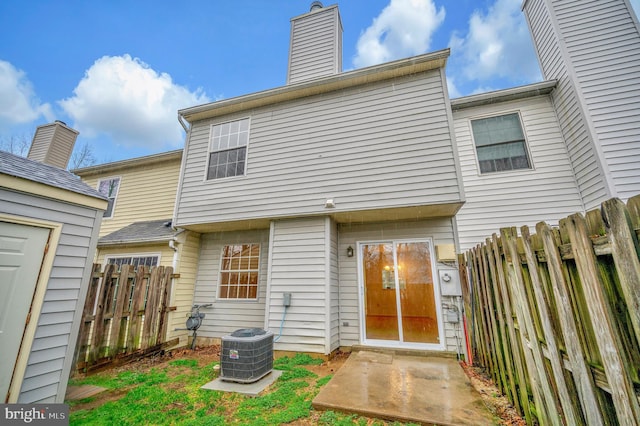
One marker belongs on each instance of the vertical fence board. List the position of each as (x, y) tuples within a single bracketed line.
[(624, 248), (542, 392), (116, 321), (507, 382), (137, 303), (555, 358), (577, 359), (516, 352)]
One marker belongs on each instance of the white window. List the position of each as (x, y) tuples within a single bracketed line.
[(239, 271), (109, 188), (135, 260), (500, 143), (228, 149)]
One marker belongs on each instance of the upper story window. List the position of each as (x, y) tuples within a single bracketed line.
[(500, 143), (239, 271), (109, 188), (228, 149)]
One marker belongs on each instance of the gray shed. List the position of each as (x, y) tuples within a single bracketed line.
[(49, 223)]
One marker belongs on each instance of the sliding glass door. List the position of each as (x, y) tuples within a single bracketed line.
[(399, 295)]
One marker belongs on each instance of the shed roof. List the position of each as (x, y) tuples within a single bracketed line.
[(140, 232), (20, 167)]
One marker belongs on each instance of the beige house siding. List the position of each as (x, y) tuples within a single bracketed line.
[(188, 246), (146, 192)]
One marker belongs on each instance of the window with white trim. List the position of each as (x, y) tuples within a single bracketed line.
[(150, 260), (109, 188), (500, 143), (239, 271), (228, 149)]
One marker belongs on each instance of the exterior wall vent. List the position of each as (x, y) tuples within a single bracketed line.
[(247, 355)]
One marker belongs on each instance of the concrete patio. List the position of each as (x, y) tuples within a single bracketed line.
[(407, 388)]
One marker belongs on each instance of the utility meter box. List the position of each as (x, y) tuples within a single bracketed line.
[(449, 282)]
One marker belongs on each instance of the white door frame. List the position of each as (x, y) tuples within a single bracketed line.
[(436, 290), (55, 230)]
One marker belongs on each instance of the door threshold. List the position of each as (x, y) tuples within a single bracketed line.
[(404, 351)]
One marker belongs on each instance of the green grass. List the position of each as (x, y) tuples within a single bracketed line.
[(172, 396)]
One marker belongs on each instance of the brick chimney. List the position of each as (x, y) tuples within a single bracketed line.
[(53, 143), (315, 49)]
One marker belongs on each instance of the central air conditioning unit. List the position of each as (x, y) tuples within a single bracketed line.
[(247, 355)]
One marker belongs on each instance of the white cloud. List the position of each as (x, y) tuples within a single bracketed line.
[(404, 28), (18, 102), (497, 45), (124, 98)]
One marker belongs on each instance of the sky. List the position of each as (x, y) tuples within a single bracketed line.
[(119, 70)]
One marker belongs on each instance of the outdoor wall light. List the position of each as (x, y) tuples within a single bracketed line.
[(349, 251)]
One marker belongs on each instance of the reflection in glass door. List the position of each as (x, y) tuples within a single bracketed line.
[(399, 294)]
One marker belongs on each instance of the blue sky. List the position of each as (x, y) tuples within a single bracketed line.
[(117, 71)]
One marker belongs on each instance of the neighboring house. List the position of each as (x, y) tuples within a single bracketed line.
[(335, 194), (137, 225), (523, 178), (49, 222), (576, 140)]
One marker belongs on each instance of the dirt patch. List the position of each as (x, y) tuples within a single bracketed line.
[(492, 397)]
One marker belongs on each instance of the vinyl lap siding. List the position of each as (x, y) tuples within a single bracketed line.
[(380, 146), (145, 193), (604, 46), (298, 266), (313, 51), (183, 291), (568, 107), (227, 316), (522, 197), (441, 230), (46, 374)]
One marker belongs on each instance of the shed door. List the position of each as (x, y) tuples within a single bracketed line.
[(21, 254)]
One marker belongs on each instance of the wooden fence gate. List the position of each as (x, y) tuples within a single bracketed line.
[(555, 316), (125, 315)]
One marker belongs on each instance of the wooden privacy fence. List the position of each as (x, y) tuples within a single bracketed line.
[(555, 316), (125, 314)]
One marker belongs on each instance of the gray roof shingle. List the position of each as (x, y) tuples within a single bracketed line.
[(14, 165), (140, 232)]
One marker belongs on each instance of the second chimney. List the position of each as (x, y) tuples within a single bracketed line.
[(53, 143)]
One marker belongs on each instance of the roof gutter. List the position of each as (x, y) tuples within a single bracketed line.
[(511, 94)]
